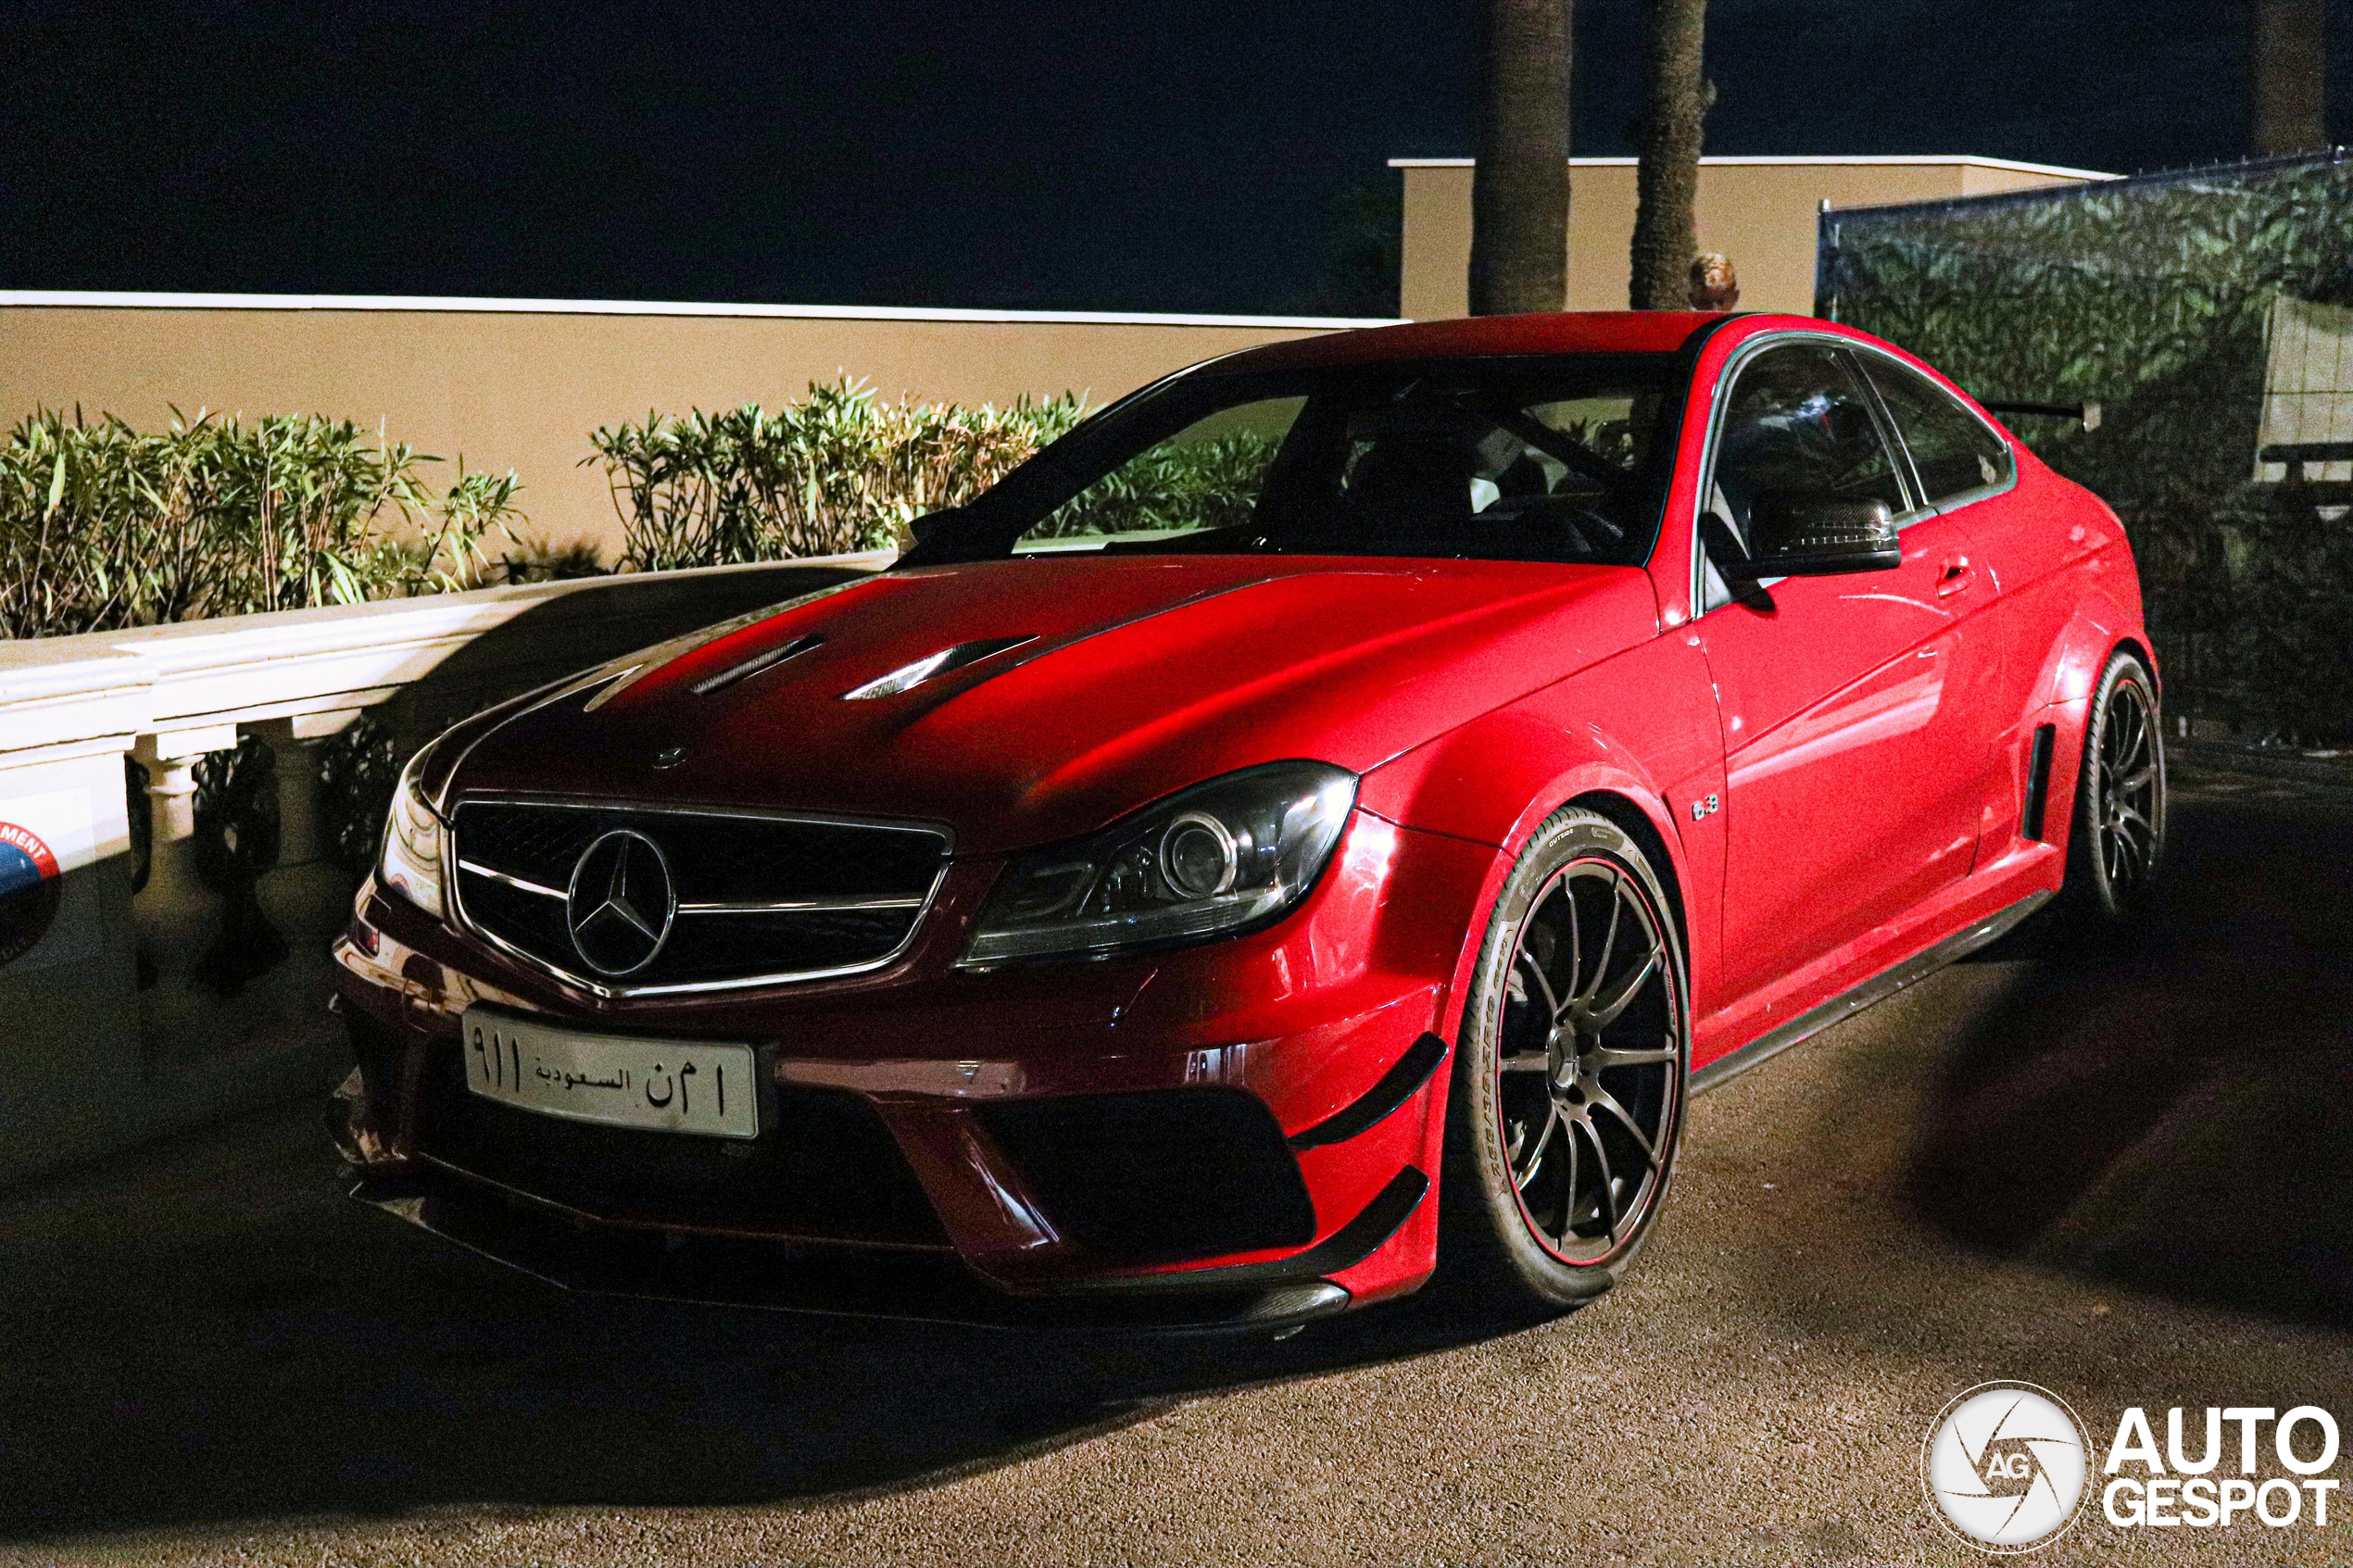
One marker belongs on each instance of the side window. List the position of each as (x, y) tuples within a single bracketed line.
[(1207, 475), (1952, 450), (1797, 427)]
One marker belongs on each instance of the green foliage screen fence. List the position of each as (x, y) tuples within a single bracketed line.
[(2207, 312)]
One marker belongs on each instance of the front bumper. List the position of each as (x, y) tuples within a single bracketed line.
[(1267, 1116)]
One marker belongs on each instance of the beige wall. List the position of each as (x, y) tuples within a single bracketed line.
[(524, 389), (1762, 214)]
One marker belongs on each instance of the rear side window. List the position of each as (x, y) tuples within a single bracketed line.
[(1952, 450)]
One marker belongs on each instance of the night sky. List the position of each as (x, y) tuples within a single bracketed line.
[(1194, 155)]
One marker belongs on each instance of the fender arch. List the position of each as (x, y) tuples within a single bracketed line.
[(2072, 662), (1497, 779)]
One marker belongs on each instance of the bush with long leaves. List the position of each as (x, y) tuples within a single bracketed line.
[(840, 471), (103, 526), (1174, 487)]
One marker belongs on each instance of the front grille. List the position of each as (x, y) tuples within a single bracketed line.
[(1160, 1176), (858, 889), (825, 1169)]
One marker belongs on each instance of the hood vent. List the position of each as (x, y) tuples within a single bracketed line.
[(907, 677), (756, 663)]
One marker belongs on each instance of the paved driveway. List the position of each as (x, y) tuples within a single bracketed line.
[(2115, 1172)]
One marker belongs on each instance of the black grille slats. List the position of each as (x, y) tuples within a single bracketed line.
[(714, 860), (1160, 1176)]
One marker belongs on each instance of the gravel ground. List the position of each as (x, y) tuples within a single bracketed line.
[(2111, 1171)]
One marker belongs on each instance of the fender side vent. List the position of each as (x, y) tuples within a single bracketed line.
[(2038, 782)]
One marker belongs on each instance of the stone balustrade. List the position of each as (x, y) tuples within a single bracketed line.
[(115, 1025)]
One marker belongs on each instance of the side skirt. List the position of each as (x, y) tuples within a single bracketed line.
[(1878, 988)]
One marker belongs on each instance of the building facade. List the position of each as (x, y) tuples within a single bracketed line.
[(1760, 211)]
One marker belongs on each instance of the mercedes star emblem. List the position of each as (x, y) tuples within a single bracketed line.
[(621, 903)]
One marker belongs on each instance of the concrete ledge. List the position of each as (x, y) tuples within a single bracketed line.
[(2265, 762), (111, 1037)]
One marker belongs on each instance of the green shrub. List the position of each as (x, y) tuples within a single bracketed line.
[(840, 471), (104, 527), (1174, 487)]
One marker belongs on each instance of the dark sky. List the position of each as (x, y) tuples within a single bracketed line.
[(1182, 156)]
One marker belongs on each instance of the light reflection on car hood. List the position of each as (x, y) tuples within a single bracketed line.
[(1122, 679)]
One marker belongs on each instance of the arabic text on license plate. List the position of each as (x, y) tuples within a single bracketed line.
[(660, 1086)]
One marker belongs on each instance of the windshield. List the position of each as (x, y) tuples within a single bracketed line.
[(1555, 459)]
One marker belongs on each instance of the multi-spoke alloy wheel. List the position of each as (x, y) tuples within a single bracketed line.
[(2119, 816), (1569, 1080)]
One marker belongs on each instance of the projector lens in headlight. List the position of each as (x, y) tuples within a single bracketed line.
[(1210, 861)]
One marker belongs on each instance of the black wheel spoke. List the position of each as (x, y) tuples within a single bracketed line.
[(1543, 984), (1576, 939), (1607, 1188), (1526, 1061), (1600, 1059), (1524, 1173), (1606, 1009), (1609, 942), (2129, 856), (1603, 1101), (1569, 1200)]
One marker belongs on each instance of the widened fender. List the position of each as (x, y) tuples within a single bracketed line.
[(1494, 780), (2072, 662)]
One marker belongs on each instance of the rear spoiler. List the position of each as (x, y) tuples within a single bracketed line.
[(2089, 413)]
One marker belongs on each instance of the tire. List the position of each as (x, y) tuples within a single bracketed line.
[(2116, 846), (1567, 1105)]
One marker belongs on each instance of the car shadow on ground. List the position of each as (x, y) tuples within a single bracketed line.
[(208, 1332), (2173, 1109)]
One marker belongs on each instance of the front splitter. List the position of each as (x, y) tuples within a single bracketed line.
[(825, 1281)]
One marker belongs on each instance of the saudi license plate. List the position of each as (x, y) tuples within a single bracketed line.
[(618, 1081)]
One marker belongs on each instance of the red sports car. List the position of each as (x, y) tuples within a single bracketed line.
[(1343, 798)]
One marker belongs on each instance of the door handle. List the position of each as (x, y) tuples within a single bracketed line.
[(1955, 576)]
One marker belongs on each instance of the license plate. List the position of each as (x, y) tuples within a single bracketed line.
[(656, 1085)]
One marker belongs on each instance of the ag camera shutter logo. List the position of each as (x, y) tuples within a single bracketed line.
[(2005, 1464)]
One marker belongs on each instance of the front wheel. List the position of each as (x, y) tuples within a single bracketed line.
[(1568, 1100), (2117, 841)]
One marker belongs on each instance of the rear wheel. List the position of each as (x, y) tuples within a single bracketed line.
[(2117, 841), (1567, 1101)]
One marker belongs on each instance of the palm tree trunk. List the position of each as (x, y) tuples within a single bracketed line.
[(1667, 181), (1520, 186), (2289, 70)]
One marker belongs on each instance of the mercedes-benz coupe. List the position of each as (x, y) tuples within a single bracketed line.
[(1321, 819)]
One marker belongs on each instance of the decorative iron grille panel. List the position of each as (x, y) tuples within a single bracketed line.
[(2204, 310)]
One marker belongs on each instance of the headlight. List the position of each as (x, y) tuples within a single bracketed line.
[(411, 860), (1235, 852)]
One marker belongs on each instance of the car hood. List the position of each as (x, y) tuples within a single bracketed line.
[(1141, 674)]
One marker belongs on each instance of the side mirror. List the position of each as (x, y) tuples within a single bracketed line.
[(924, 527), (1807, 536)]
